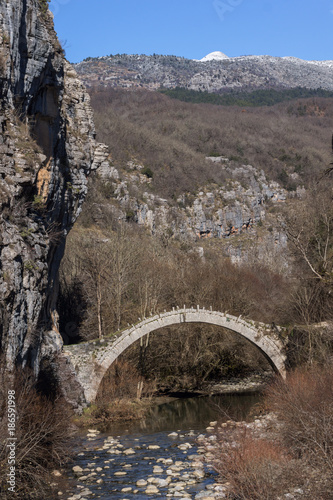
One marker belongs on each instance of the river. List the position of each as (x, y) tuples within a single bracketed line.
[(158, 457)]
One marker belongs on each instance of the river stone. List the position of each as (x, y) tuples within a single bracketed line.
[(162, 483), (157, 469), (202, 495), (77, 469), (113, 451), (151, 490), (185, 446), (141, 482), (153, 447), (86, 491), (173, 434), (176, 468), (120, 473), (126, 490), (168, 461), (129, 451), (179, 487), (199, 473)]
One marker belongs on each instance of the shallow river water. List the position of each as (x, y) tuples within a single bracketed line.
[(108, 465)]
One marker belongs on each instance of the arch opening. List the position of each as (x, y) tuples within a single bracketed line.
[(184, 358), (92, 361)]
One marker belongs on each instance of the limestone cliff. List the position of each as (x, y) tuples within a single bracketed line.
[(47, 150)]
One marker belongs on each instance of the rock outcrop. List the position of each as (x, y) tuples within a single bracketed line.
[(241, 206), (47, 150)]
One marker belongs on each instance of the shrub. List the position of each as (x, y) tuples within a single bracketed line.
[(147, 172), (256, 469), (44, 6), (43, 433), (304, 405)]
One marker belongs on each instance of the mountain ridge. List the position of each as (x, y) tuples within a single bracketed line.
[(218, 76)]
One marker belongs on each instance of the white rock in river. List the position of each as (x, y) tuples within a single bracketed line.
[(157, 469), (141, 482), (129, 451), (77, 469), (151, 490), (162, 483), (173, 434), (153, 447)]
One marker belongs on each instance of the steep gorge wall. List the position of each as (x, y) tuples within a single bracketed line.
[(47, 150)]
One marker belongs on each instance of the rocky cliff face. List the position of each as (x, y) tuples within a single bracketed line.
[(47, 149)]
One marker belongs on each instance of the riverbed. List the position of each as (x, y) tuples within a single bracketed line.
[(158, 457)]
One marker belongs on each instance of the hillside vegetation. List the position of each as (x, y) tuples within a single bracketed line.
[(261, 97), (290, 141)]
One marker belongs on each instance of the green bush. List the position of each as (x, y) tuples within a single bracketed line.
[(147, 172)]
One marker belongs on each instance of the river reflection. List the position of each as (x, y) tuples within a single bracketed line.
[(192, 413)]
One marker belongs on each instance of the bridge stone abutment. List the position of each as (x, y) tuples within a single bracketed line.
[(92, 359)]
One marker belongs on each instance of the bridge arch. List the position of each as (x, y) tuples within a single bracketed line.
[(91, 360)]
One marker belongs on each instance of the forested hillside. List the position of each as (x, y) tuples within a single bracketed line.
[(119, 267), (291, 141)]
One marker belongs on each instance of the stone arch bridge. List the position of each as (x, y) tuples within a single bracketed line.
[(92, 359)]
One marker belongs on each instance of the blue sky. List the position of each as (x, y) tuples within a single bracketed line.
[(193, 28)]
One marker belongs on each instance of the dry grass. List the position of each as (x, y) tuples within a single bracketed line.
[(119, 397)]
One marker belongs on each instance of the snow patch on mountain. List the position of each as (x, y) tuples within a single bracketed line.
[(214, 56)]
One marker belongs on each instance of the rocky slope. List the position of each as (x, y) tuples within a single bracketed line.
[(238, 73), (47, 149), (245, 206)]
